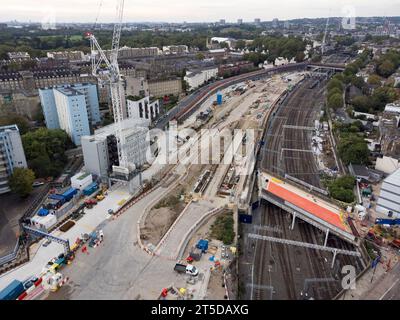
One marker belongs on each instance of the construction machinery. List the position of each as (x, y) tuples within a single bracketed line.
[(107, 70)]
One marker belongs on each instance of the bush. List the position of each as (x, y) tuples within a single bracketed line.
[(21, 181), (222, 228), (342, 188)]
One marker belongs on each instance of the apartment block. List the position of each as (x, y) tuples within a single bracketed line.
[(11, 155), (72, 108), (142, 108)]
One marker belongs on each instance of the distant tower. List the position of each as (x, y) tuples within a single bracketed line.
[(286, 25), (222, 21), (257, 21), (275, 23), (240, 21)]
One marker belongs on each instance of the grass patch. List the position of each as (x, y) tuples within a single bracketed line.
[(222, 228)]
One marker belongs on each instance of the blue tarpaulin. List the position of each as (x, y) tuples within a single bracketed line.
[(43, 212)]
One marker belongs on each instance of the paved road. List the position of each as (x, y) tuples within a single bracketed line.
[(193, 213), (388, 287), (119, 269)]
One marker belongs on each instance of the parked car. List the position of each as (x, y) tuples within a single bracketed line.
[(46, 243)]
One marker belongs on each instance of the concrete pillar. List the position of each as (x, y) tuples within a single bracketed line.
[(326, 237), (334, 257), (293, 220)]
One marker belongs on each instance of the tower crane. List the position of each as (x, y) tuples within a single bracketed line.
[(102, 66)]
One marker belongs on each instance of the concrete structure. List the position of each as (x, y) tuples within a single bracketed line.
[(127, 52), (81, 180), (72, 108), (196, 78), (18, 56), (161, 88), (72, 113), (96, 155), (312, 209), (177, 49), (387, 165), (393, 108), (11, 154), (389, 197), (142, 108), (100, 149), (49, 108), (230, 41), (136, 86), (280, 61), (67, 55)]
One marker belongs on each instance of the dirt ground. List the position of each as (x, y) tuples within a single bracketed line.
[(159, 221), (216, 289), (12, 208)]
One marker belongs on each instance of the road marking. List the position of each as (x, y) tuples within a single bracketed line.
[(391, 287)]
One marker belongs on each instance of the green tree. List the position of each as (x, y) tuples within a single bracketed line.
[(240, 44), (342, 188), (335, 83), (200, 56), (374, 79), (21, 181), (335, 101), (45, 151), (353, 149), (361, 103), (21, 122), (386, 68)]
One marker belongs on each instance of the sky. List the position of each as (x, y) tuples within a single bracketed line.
[(191, 10)]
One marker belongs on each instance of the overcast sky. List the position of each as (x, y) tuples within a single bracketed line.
[(191, 10)]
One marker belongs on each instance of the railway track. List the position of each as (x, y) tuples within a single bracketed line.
[(287, 133)]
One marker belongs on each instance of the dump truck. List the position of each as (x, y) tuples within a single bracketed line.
[(188, 269)]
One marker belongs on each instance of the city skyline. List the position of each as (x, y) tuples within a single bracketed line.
[(206, 11)]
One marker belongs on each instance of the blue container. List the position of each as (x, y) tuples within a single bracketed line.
[(58, 197), (90, 189), (12, 291), (69, 194), (202, 245), (219, 98)]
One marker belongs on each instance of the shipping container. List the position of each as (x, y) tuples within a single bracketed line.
[(90, 189), (69, 194), (12, 291)]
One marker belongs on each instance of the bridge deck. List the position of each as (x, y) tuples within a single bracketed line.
[(311, 206), (316, 209)]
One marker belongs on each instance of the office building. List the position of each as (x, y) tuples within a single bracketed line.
[(11, 155)]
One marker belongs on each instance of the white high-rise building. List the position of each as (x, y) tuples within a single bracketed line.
[(142, 108), (11, 154), (72, 113), (100, 149), (72, 108)]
